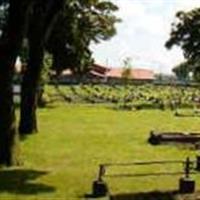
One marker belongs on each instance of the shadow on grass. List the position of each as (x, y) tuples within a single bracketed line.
[(155, 195), (21, 181)]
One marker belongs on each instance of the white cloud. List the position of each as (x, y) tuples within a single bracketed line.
[(187, 5), (135, 15), (128, 9), (144, 29)]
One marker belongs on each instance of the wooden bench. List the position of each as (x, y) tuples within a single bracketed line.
[(178, 137)]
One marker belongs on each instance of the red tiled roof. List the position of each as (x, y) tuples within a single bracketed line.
[(140, 74), (143, 74), (103, 71), (115, 73)]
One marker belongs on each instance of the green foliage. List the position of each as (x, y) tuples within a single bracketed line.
[(196, 74), (182, 71), (3, 14), (127, 97), (186, 33), (81, 23), (47, 64)]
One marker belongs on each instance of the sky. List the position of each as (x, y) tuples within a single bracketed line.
[(141, 35)]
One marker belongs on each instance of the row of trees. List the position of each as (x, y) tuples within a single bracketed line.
[(185, 33), (65, 29)]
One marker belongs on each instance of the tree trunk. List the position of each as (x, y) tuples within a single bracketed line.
[(40, 29), (30, 89), (10, 44), (9, 138)]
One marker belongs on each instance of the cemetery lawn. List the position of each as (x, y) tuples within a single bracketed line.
[(61, 161)]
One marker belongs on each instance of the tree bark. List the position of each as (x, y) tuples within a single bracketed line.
[(10, 44), (39, 31), (9, 144), (29, 90)]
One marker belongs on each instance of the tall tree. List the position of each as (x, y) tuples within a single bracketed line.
[(82, 23), (185, 33), (10, 44), (182, 71), (74, 28), (41, 22)]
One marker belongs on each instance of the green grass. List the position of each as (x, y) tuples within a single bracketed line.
[(61, 161)]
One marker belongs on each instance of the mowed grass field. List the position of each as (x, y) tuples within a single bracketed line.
[(61, 161)]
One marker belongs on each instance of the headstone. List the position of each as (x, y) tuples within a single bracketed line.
[(186, 185), (99, 189)]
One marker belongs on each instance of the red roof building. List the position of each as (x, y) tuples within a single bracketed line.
[(99, 70), (143, 74), (103, 72), (136, 73)]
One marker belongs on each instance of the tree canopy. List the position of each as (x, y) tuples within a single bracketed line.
[(182, 71), (185, 33), (81, 23)]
